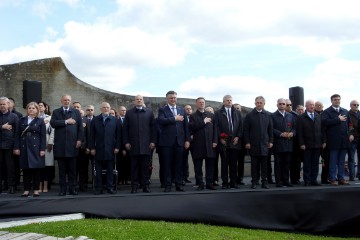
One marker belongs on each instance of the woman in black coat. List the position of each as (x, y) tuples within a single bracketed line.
[(32, 144)]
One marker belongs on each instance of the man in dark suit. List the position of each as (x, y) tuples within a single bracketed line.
[(123, 158), (336, 121), (139, 137), (229, 123), (67, 123), (188, 111), (205, 138), (258, 137), (311, 140), (173, 139), (284, 133), (104, 143)]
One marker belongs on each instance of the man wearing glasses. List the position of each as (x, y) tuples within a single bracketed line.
[(336, 120), (354, 115)]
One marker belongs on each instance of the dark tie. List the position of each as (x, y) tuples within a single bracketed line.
[(338, 110), (312, 116), (229, 121), (173, 111), (66, 111)]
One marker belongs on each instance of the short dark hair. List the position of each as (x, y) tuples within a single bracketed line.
[(171, 92), (10, 98), (200, 98), (76, 103), (334, 96)]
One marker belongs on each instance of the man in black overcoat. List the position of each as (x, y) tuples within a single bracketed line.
[(67, 123), (258, 137)]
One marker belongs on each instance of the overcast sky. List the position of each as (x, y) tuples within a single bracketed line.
[(206, 48)]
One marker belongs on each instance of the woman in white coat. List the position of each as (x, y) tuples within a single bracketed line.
[(49, 156)]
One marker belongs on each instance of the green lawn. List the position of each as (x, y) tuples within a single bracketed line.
[(132, 229)]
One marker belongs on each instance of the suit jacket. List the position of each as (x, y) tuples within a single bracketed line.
[(258, 131), (223, 125), (204, 135), (172, 131), (283, 124), (66, 135), (32, 141), (105, 137), (139, 130), (337, 132), (310, 133)]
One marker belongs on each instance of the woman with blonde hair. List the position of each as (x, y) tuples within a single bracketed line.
[(32, 143)]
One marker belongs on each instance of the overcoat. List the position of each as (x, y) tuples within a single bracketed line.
[(286, 123), (105, 137), (32, 141), (204, 135), (139, 130), (258, 131), (310, 132), (66, 135), (337, 132)]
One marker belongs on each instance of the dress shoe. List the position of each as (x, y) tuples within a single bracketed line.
[(167, 189), (288, 185), (343, 182), (25, 195), (180, 189), (325, 182), (210, 187), (333, 183), (270, 181), (253, 185), (216, 183), (351, 179), (134, 189), (201, 187), (146, 189), (98, 192), (62, 194), (73, 193), (36, 195), (187, 180), (225, 186), (241, 183), (306, 184), (315, 184), (234, 186), (295, 182), (264, 185), (279, 184), (11, 190), (110, 191)]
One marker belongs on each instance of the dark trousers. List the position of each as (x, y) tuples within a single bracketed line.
[(229, 165), (161, 166), (216, 166), (282, 167), (311, 164), (140, 170), (209, 170), (295, 164), (124, 166), (7, 163), (83, 168), (107, 165), (31, 178), (268, 167), (325, 165), (172, 159), (185, 165), (67, 165), (258, 168), (240, 165)]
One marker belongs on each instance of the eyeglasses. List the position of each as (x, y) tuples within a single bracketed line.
[(356, 105), (89, 109), (281, 103), (288, 105)]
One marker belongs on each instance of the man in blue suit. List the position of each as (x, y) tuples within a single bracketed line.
[(173, 139), (104, 143), (336, 121)]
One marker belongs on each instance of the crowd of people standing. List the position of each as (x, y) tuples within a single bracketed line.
[(122, 144)]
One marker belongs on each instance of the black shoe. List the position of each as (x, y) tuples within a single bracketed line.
[(134, 190), (234, 186), (24, 195), (110, 191), (216, 183), (351, 179), (73, 193), (187, 180), (225, 186), (180, 189), (264, 185), (146, 189), (167, 189), (295, 182), (253, 185), (98, 192), (325, 182), (11, 190), (201, 187), (62, 194), (306, 184), (257, 183), (36, 195), (241, 183), (288, 185), (279, 184), (271, 181), (210, 187)]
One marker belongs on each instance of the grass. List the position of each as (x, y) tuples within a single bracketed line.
[(132, 229)]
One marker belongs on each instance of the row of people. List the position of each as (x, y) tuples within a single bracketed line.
[(209, 134)]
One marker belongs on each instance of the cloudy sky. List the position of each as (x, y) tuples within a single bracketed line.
[(198, 48)]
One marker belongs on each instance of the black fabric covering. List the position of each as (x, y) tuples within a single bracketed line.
[(326, 210)]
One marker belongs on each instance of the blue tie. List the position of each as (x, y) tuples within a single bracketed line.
[(312, 116)]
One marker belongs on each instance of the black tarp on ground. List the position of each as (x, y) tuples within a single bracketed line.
[(317, 210)]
